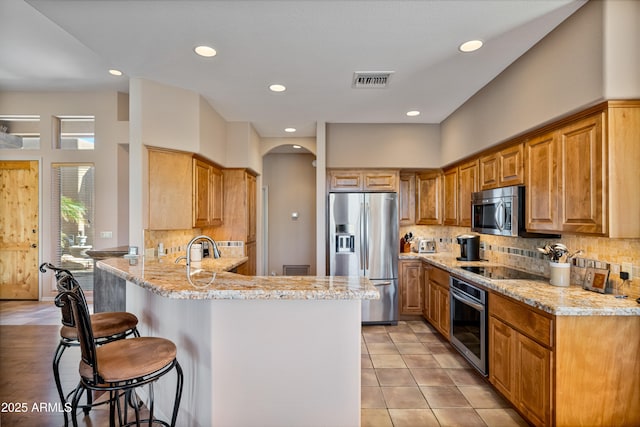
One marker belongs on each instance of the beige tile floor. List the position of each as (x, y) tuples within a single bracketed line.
[(412, 377)]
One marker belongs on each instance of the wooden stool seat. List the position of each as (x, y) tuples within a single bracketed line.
[(105, 325), (132, 358)]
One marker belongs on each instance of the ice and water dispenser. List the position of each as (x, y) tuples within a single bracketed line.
[(345, 238)]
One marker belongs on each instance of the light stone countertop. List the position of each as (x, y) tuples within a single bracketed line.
[(561, 301), (167, 279)]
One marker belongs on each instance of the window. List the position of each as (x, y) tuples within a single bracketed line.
[(72, 208), (74, 132), (19, 132)]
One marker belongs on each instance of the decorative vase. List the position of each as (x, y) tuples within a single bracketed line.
[(560, 273)]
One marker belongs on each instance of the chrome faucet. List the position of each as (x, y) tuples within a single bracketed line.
[(216, 251), (187, 257)]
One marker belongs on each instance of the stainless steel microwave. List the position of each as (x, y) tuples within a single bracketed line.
[(498, 211)]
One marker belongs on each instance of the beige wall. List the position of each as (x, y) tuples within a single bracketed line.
[(110, 134), (290, 179), (213, 133), (382, 145), (562, 73), (592, 55)]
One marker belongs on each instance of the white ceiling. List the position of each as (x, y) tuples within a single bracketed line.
[(313, 47)]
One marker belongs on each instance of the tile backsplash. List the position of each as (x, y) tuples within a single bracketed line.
[(598, 252)]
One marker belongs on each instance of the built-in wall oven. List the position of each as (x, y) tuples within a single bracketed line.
[(469, 322)]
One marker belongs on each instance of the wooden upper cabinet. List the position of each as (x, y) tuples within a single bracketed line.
[(582, 167), (541, 183), (468, 183), (407, 199), (345, 181), (363, 180), (170, 190), (184, 191), (239, 207), (502, 168), (450, 183), (208, 194), (429, 198)]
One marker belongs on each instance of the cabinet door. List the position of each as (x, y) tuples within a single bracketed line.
[(582, 176), (345, 181), (541, 181), (407, 199), (450, 216), (428, 198), (425, 291), (170, 190), (511, 167), (444, 311), (433, 304), (217, 196), (489, 171), (502, 347), (533, 370), (201, 193), (410, 287), (468, 183), (380, 181), (251, 207)]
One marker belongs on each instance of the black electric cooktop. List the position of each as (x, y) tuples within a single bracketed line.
[(501, 273)]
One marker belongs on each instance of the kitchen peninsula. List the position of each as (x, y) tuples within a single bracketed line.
[(268, 351)]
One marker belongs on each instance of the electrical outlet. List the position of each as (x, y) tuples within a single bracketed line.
[(106, 234), (627, 267), (615, 268)]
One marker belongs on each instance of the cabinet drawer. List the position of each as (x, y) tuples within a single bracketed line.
[(439, 276), (523, 319)]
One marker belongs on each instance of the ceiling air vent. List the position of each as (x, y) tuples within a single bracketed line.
[(371, 79)]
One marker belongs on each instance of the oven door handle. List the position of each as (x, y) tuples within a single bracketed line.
[(466, 301)]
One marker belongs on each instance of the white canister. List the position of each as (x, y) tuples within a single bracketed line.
[(560, 273), (196, 252)]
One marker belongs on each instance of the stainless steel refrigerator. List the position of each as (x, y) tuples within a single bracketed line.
[(363, 241)]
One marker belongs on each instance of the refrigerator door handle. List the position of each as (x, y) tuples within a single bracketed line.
[(362, 240), (368, 221)]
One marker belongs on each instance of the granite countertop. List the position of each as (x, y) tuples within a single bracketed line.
[(165, 278), (561, 301)]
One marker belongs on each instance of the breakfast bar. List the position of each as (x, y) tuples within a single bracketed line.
[(268, 351)]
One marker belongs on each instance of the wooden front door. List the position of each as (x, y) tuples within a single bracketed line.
[(19, 230)]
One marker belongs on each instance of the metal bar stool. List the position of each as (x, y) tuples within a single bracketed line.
[(107, 327), (119, 366)]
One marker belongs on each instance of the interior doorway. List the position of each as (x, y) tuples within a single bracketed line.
[(19, 241)]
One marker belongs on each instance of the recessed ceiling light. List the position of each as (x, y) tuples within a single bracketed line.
[(277, 88), (115, 72), (297, 147), (470, 46), (413, 113), (290, 130), (206, 51)]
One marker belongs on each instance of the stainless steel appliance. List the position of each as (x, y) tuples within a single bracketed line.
[(501, 211), (497, 211), (469, 247), (469, 322), (363, 241), (502, 273), (426, 246)]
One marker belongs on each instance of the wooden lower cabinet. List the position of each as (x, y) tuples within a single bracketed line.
[(565, 370), (437, 307), (520, 369), (249, 267), (410, 284)]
